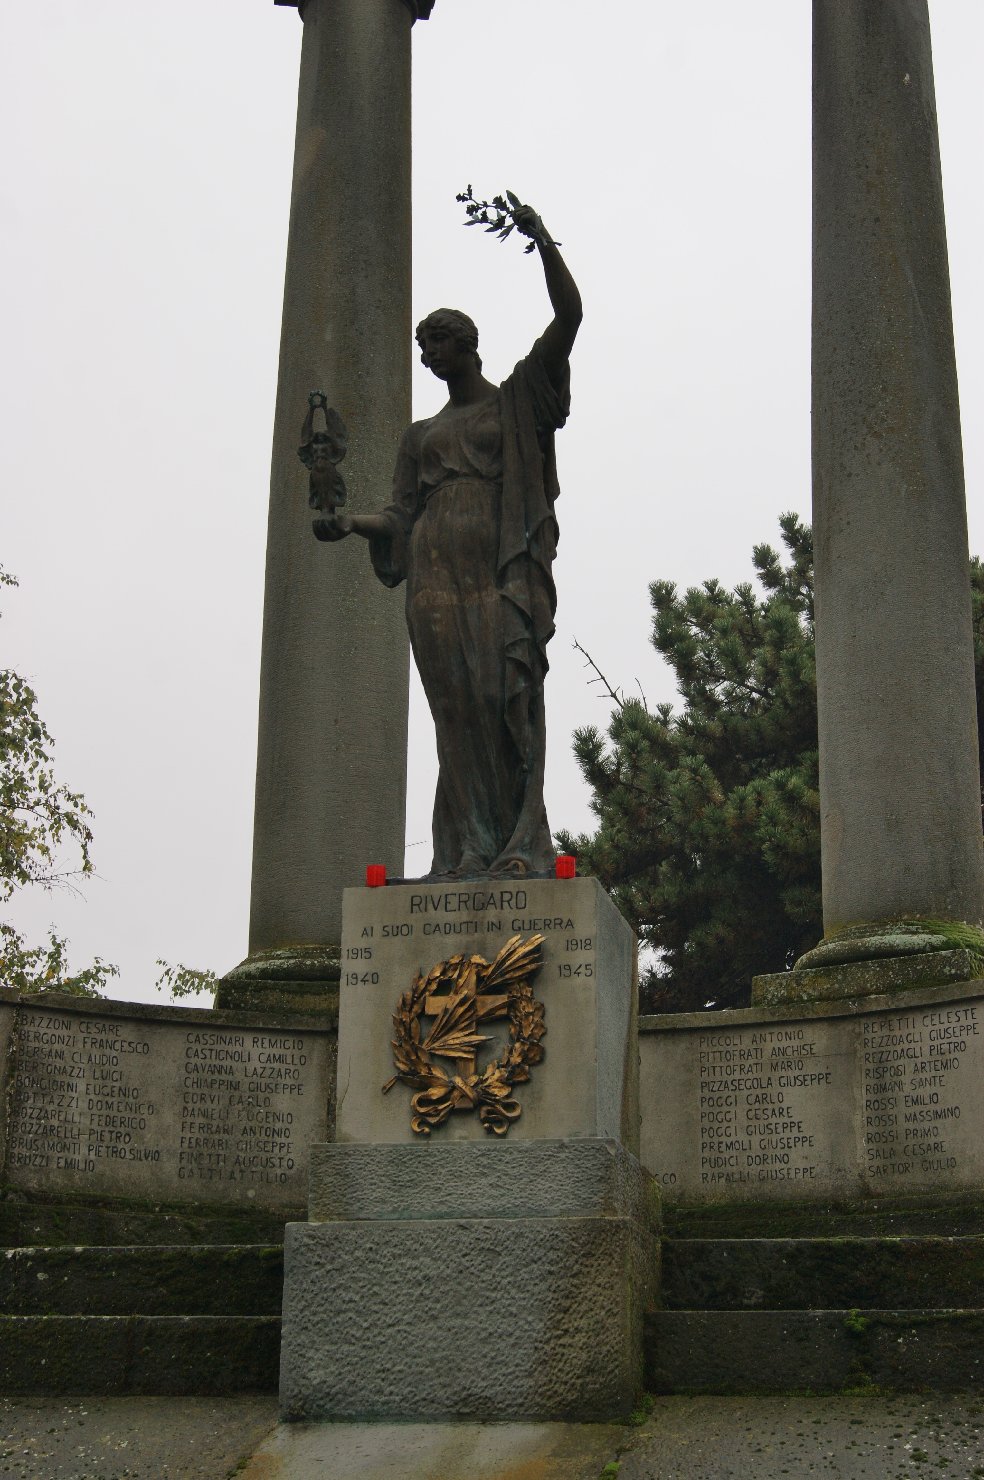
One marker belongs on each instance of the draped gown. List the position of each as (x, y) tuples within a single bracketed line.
[(471, 529)]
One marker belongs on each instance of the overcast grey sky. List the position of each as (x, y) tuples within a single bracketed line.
[(143, 207)]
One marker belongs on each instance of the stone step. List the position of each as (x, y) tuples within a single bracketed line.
[(184, 1280), (39, 1223), (872, 1219), (822, 1273), (823, 1351), (207, 1356)]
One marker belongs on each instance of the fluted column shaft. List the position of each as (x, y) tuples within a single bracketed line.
[(899, 785), (331, 761)]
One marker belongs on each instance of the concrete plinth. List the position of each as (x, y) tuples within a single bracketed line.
[(534, 1315), (587, 1084), (455, 1274), (292, 979), (521, 1179)]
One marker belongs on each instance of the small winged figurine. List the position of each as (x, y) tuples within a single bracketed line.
[(321, 451)]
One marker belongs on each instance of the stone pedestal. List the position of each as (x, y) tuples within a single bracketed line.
[(587, 1083), (469, 1281), (458, 1274)]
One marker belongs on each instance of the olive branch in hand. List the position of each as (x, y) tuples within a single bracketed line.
[(497, 214)]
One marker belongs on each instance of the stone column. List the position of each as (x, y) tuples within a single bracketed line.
[(331, 757), (899, 784)]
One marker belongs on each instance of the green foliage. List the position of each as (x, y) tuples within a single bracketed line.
[(709, 818), (855, 1322), (39, 817), (642, 1411), (45, 968), (184, 981), (497, 214), (709, 827)]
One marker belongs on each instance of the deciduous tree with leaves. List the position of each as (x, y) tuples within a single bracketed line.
[(709, 830), (45, 841)]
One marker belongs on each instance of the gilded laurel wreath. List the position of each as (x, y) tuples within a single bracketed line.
[(461, 993)]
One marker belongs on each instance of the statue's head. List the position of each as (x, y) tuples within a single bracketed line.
[(446, 326), (322, 449)]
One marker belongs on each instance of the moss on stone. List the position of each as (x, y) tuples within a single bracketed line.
[(948, 1216), (957, 933), (36, 1219), (308, 998)]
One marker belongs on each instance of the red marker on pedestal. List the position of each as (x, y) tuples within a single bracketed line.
[(566, 866), (375, 875)]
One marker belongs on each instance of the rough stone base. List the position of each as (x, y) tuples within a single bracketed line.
[(292, 979), (480, 1179), (871, 978), (392, 1316), (277, 996)]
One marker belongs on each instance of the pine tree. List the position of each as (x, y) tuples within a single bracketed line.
[(709, 826)]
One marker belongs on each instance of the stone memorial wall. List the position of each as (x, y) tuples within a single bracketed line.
[(844, 1100), (179, 1105), (835, 1101)]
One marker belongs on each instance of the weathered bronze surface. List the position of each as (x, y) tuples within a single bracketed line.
[(419, 9), (471, 529), (321, 451), (460, 994)]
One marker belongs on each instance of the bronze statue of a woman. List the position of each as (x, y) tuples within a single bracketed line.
[(471, 530)]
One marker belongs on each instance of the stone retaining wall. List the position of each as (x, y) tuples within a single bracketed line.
[(846, 1101), (117, 1099), (836, 1101)]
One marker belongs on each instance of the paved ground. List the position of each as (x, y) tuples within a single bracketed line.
[(467, 1451), (130, 1438), (683, 1439), (894, 1438)]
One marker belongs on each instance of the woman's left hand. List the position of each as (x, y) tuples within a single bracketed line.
[(332, 527)]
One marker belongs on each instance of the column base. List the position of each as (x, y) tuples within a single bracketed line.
[(288, 978), (872, 978), (915, 937), (478, 1281), (873, 960)]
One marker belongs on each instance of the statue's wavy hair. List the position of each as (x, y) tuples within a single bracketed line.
[(461, 328)]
